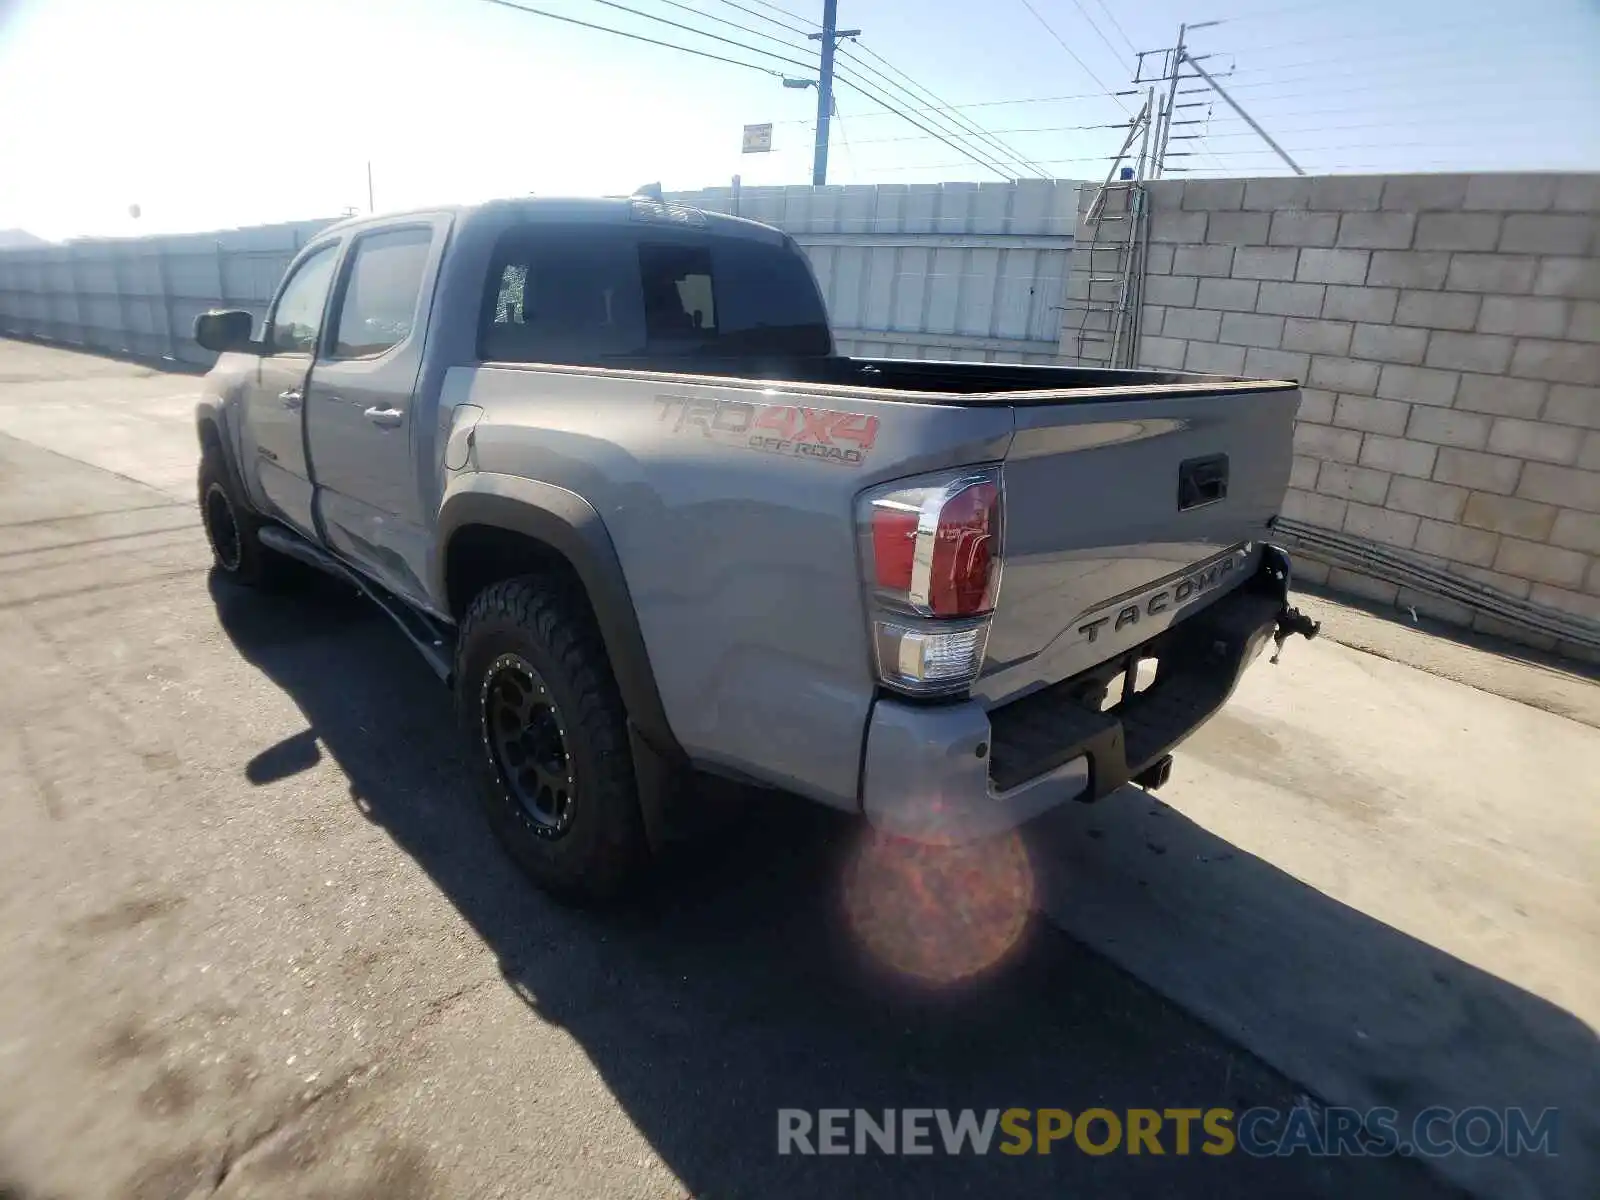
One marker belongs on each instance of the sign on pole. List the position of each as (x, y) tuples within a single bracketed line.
[(757, 139)]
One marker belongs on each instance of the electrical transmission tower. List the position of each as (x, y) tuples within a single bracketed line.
[(1173, 61)]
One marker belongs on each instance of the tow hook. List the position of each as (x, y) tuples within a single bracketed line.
[(1290, 622)]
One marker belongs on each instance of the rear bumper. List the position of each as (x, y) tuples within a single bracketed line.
[(956, 772)]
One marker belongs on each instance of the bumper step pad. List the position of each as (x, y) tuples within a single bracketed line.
[(1199, 660)]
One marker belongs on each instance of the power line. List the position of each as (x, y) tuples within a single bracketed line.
[(965, 123), (959, 149), (971, 127), (1322, 93), (1132, 49), (1455, 106), (1028, 4), (844, 140), (1382, 74), (690, 29), (639, 37), (774, 8), (1477, 125), (760, 16), (1206, 150), (1021, 100), (880, 79), (1304, 149), (760, 33), (1115, 53), (1426, 55), (1029, 129), (1094, 158), (977, 104)]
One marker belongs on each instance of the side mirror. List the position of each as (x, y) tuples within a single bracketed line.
[(223, 331)]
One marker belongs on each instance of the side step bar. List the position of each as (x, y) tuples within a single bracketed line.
[(433, 639)]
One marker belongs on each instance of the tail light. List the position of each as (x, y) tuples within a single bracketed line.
[(931, 551)]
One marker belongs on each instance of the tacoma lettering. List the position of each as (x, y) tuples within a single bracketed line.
[(1162, 600)]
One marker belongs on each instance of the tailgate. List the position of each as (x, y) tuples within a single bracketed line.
[(1123, 516)]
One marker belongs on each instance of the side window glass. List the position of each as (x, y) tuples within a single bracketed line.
[(508, 301), (561, 296), (298, 316), (678, 299), (380, 294)]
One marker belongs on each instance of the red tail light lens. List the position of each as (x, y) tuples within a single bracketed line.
[(965, 553), (934, 545), (894, 544), (931, 552)]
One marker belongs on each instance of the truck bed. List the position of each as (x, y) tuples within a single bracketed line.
[(934, 381), (722, 525)]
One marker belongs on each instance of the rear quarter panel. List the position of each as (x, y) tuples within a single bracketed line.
[(741, 561)]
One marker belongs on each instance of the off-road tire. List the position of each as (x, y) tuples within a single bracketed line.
[(544, 622), (233, 529)]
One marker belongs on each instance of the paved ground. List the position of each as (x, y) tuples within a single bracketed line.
[(255, 941)]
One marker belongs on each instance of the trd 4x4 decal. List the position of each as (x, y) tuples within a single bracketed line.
[(791, 430)]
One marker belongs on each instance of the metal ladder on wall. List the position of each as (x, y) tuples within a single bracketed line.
[(1102, 328), (1110, 262)]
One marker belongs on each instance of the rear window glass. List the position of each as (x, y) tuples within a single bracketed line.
[(679, 298), (555, 298), (598, 293), (770, 300)]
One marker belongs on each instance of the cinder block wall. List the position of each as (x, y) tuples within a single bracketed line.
[(1446, 331)]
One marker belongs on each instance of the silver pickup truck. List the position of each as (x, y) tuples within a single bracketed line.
[(599, 460)]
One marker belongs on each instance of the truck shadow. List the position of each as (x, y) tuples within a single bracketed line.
[(739, 987)]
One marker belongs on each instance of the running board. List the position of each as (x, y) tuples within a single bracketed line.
[(431, 638)]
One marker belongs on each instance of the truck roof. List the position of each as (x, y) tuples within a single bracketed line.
[(599, 210)]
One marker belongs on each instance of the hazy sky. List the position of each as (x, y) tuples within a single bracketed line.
[(210, 113)]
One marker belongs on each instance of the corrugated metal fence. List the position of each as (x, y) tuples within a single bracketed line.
[(954, 270), (140, 296)]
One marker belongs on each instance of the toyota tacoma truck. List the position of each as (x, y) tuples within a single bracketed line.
[(600, 462)]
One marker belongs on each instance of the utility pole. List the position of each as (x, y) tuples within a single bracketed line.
[(829, 37)]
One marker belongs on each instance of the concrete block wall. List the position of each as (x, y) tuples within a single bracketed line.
[(1446, 333)]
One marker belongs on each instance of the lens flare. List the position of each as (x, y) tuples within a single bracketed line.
[(939, 913)]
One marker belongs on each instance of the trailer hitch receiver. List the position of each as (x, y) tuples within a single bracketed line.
[(1290, 622)]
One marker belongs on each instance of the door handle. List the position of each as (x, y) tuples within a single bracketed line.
[(388, 418), (1202, 481), (292, 398)]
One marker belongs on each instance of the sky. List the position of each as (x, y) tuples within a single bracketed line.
[(208, 114)]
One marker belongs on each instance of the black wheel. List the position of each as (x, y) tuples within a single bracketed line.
[(231, 528), (547, 734)]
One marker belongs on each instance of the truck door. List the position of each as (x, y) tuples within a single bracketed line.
[(275, 399), (362, 419)]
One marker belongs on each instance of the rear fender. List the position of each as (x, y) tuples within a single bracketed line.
[(567, 524)]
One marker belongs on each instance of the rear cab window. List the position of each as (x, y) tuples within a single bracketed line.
[(597, 293)]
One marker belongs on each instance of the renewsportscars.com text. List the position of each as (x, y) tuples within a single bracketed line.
[(1258, 1132)]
